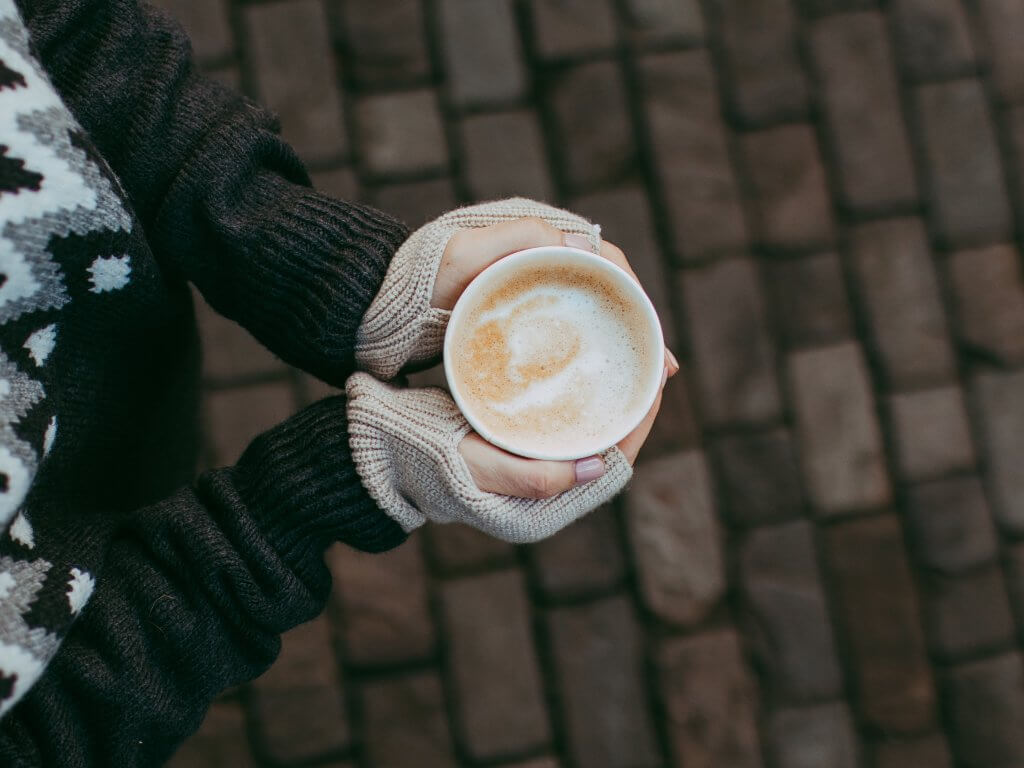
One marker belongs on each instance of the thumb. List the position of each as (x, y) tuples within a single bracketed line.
[(498, 471)]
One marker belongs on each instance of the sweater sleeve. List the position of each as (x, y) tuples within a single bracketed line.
[(192, 597), (223, 200)]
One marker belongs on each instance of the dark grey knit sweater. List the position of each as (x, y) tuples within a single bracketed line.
[(130, 595)]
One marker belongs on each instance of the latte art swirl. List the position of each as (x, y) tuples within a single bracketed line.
[(552, 357)]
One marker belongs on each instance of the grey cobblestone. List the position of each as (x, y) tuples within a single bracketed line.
[(789, 626), (760, 477), (989, 293), (968, 190), (968, 614), (482, 52), (809, 300), (999, 398), (289, 50), (858, 82), (950, 524), (813, 737), (505, 156), (986, 702), (932, 434), (898, 282), (737, 380), (690, 154), (933, 37), (599, 669), (840, 440), (761, 47)]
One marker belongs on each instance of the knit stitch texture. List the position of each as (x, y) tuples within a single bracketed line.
[(405, 446), (400, 327)]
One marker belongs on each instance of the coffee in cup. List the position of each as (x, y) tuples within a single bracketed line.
[(554, 353)]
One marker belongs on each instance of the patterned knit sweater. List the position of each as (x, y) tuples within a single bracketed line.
[(131, 594)]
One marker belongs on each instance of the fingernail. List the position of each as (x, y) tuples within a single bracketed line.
[(672, 358), (573, 240), (664, 375), (589, 469)]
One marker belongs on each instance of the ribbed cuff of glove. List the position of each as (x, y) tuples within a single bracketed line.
[(301, 484), (405, 443), (400, 327)]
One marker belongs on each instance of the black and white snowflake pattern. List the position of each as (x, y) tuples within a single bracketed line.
[(50, 188)]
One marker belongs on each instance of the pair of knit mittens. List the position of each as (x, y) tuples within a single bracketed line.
[(405, 441)]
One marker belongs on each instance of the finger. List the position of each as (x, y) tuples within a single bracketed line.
[(498, 471), (671, 363), (483, 246), (615, 255), (631, 444)]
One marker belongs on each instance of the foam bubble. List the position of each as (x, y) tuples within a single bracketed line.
[(553, 358)]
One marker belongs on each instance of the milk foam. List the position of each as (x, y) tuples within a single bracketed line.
[(554, 358)]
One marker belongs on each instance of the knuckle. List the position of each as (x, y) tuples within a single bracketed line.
[(538, 484), (537, 228)]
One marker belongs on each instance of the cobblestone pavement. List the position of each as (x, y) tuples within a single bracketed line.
[(820, 563)]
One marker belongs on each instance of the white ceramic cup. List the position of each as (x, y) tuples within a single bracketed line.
[(558, 256)]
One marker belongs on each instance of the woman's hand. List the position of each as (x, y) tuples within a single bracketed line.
[(468, 253)]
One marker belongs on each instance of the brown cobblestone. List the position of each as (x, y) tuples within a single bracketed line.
[(657, 21), (840, 441), (989, 291), (385, 617), (925, 752), (968, 614), (406, 724), (784, 604), (386, 41), (234, 417), (505, 157), (500, 701), (788, 182), (999, 398), (809, 300), (1003, 22), (583, 558), (862, 105), (290, 52), (733, 353), (456, 548), (760, 43), (760, 477), (298, 702), (950, 524), (1015, 582), (589, 103), (933, 38), (711, 701), (482, 53), (401, 133), (986, 708), (813, 737), (897, 279), (691, 158), (416, 202), (675, 537), (340, 183), (206, 24), (228, 349), (1015, 124), (967, 188), (880, 617), (599, 667), (219, 741), (932, 433), (565, 28)]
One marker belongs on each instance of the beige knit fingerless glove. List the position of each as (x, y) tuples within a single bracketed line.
[(405, 446), (400, 326)]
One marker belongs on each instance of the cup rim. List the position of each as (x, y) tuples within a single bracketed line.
[(623, 279)]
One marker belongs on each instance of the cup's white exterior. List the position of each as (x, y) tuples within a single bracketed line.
[(555, 256)]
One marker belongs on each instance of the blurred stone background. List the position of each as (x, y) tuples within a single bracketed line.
[(820, 563)]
